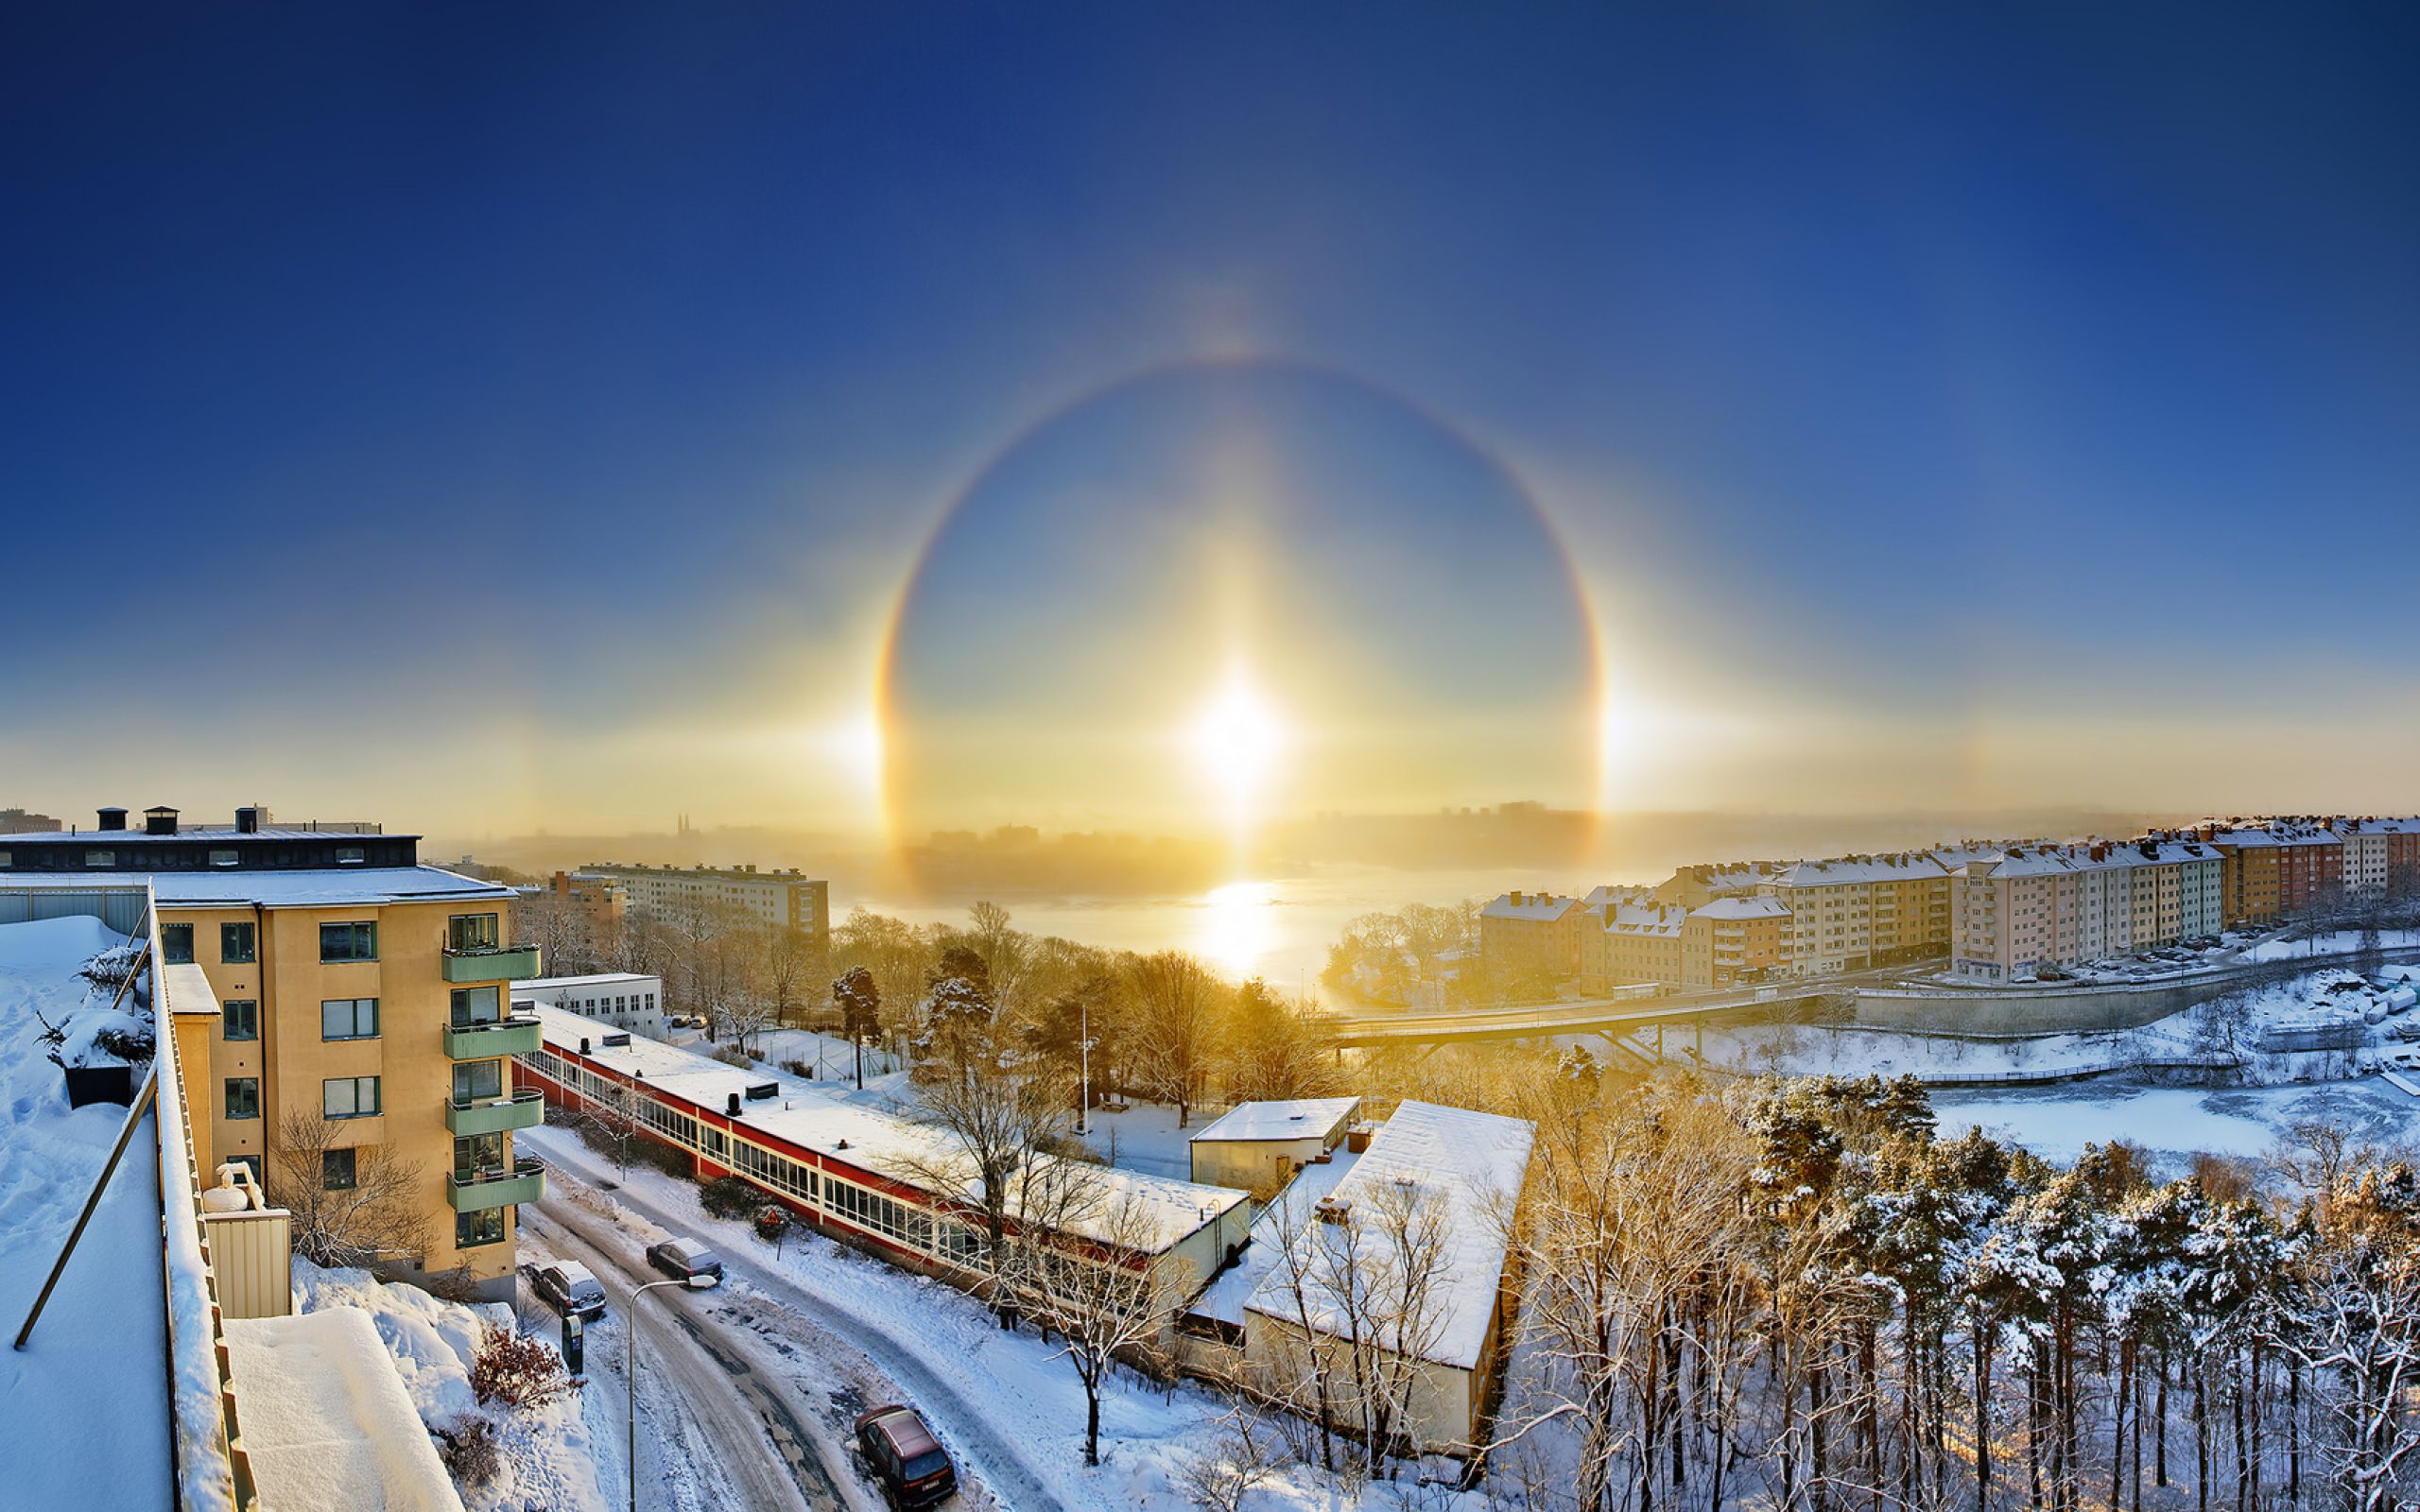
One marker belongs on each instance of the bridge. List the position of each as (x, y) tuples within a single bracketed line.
[(1608, 1016)]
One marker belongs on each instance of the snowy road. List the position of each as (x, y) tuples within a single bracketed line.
[(756, 1444), (795, 1318)]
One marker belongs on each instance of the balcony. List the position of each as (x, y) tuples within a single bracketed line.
[(491, 963), (525, 1108), (501, 1037), (496, 1186)]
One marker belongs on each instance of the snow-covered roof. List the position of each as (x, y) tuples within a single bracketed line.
[(1652, 921), (326, 1419), (882, 1142), (1470, 1164), (1294, 1118), (1900, 866), (594, 979), (1545, 907), (331, 887), (1604, 893), (1227, 1296), (1759, 906)]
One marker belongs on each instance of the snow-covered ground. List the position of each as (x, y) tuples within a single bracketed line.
[(548, 1456), (2176, 1123), (1003, 1402), (85, 1404)]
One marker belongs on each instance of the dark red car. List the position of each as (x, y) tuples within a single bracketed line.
[(909, 1462)]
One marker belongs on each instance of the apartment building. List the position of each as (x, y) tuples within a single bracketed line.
[(1852, 913), (2365, 845), (604, 900), (1729, 940), (18, 821), (1637, 942), (787, 899), (360, 998), (2038, 907), (1525, 933)]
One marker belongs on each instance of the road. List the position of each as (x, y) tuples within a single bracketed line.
[(792, 1321), (717, 1398), (1589, 1015)]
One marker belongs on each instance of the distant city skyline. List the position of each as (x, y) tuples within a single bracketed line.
[(867, 423)]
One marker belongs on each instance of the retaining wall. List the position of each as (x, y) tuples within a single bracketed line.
[(2025, 1011)]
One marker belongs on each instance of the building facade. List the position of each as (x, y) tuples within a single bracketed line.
[(625, 1000), (1531, 934), (361, 1001), (788, 899)]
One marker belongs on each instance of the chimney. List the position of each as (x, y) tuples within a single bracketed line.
[(113, 818), (732, 1106), (160, 819), (248, 819), (584, 1044)]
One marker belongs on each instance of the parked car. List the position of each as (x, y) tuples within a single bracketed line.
[(683, 1258), (567, 1286), (907, 1460)]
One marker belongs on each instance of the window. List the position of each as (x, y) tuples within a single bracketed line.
[(348, 942), (100, 858), (349, 855), (243, 1097), (476, 1005), (483, 1227), (471, 932), (253, 1162), (239, 1019), (349, 1019), (349, 1096), (474, 1153), (236, 946), (176, 944), (336, 1170), (477, 1080), (222, 858)]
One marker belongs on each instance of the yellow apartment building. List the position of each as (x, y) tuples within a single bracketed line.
[(351, 983)]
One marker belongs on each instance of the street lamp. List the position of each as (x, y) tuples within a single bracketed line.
[(630, 1369)]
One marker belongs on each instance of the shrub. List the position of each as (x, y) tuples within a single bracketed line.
[(468, 1449), (732, 1056), (516, 1370), (728, 1196), (771, 1219), (130, 1045)]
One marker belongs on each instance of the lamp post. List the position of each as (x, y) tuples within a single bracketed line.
[(1085, 1042), (630, 1369)]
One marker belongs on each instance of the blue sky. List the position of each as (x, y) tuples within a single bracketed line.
[(1901, 381)]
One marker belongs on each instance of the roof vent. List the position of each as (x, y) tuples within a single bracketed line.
[(617, 1041), (731, 1105), (248, 819), (158, 819), (113, 818)]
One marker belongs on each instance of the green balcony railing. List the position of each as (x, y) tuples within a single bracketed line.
[(499, 1036), (478, 1191), (491, 963), (525, 1109)]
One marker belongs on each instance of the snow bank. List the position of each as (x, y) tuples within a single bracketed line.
[(326, 1419), (548, 1461)]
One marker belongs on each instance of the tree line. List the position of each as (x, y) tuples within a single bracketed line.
[(1798, 1292)]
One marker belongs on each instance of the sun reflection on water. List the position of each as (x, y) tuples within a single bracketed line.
[(1237, 926)]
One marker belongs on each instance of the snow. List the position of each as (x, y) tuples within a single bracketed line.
[(1009, 1409), (1545, 908), (1227, 1296), (1298, 1117), (2343, 942), (546, 1458), (325, 1418), (239, 887), (2174, 1123), (870, 1139), (1472, 1163), (96, 1359)]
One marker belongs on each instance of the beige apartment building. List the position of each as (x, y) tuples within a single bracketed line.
[(355, 990), (788, 899), (1850, 913), (1532, 933)]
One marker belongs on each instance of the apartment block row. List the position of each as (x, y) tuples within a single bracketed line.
[(1995, 909)]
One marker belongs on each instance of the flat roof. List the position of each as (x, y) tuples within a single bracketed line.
[(324, 887), (886, 1144), (1293, 1118), (593, 979)]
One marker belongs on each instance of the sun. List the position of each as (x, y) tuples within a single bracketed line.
[(1237, 740)]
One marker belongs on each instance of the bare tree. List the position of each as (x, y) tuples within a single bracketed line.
[(351, 1204), (613, 1121), (1176, 1002), (1081, 1273)]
